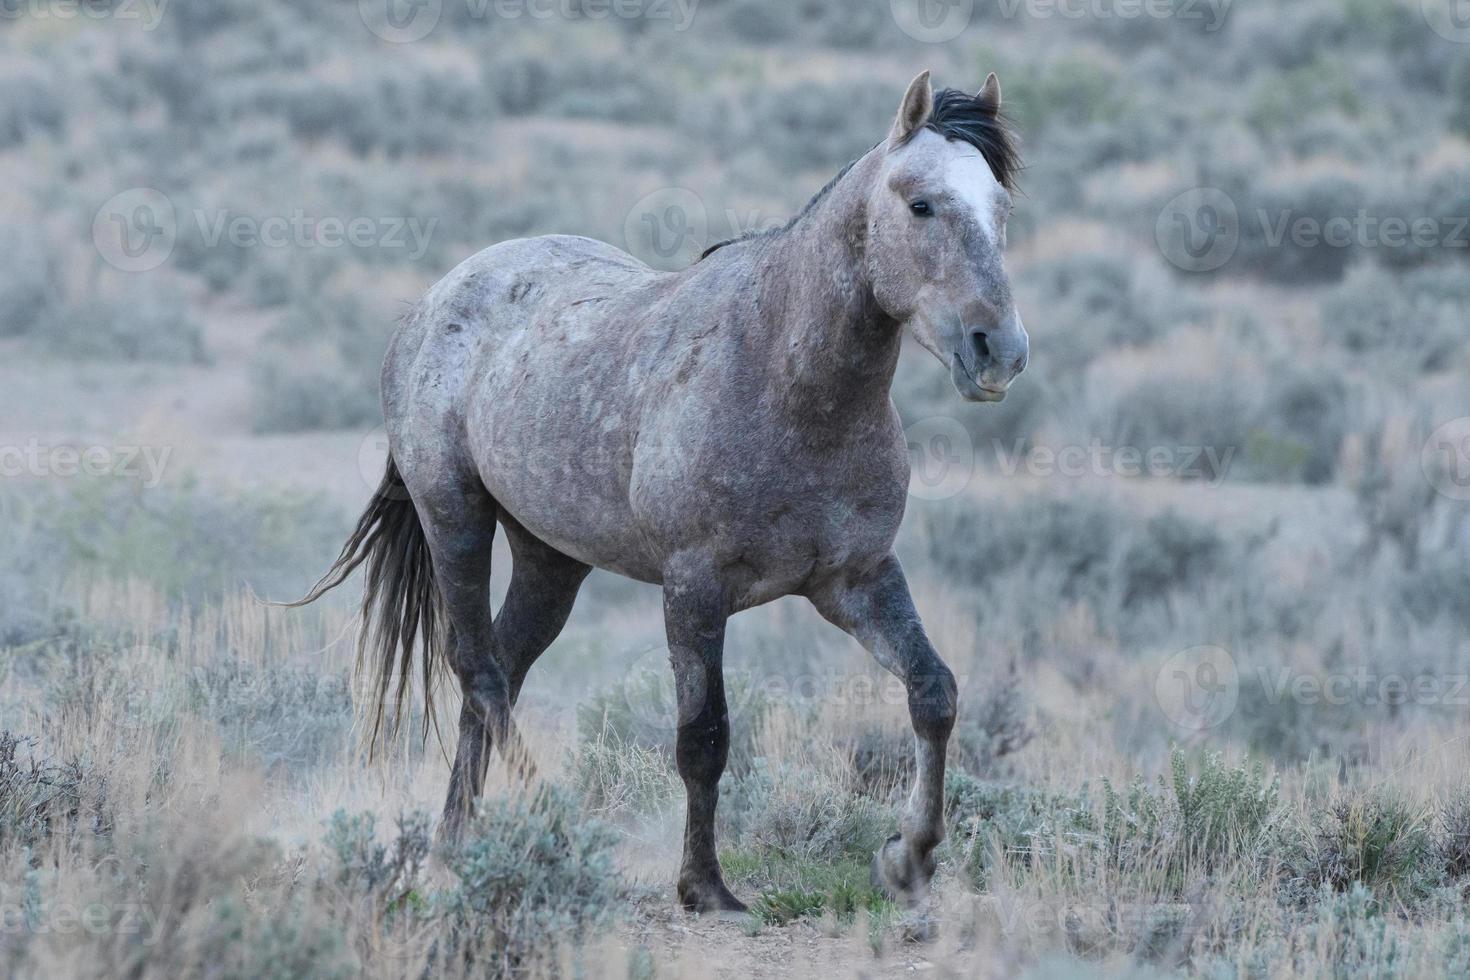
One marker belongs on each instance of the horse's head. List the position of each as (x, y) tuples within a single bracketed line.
[(937, 230)]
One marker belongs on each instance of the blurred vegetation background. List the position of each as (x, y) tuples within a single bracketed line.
[(1316, 534), (1309, 375)]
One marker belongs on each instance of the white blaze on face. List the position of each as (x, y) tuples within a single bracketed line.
[(969, 179)]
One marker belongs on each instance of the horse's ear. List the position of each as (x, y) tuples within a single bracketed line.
[(918, 103), (989, 94)]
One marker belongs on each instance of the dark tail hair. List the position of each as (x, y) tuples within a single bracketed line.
[(400, 602)]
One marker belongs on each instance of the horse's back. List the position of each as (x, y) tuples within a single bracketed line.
[(501, 281), (485, 301)]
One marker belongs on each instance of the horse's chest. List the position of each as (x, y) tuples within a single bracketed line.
[(779, 545), (772, 508)]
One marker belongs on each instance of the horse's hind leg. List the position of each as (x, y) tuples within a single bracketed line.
[(543, 588), (876, 609), (460, 526), (491, 659)]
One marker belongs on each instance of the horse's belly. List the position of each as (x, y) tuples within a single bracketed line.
[(561, 469), (799, 550)]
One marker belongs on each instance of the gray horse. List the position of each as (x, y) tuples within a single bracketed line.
[(725, 432)]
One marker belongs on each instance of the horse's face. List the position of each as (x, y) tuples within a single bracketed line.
[(936, 237)]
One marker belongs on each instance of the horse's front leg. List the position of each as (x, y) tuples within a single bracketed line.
[(694, 618), (875, 607)]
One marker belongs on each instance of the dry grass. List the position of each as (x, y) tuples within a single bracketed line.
[(184, 851)]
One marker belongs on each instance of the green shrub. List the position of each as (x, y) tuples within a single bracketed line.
[(639, 711), (42, 802), (799, 813), (1192, 825), (1173, 552), (996, 825), (389, 876), (991, 727), (287, 716), (1283, 103), (1452, 846), (534, 875), (1460, 91), (617, 777), (1406, 322), (1102, 301), (1456, 950), (1378, 840), (1309, 411), (1351, 928), (188, 541), (813, 126), (1283, 228), (1077, 89), (843, 900), (1225, 811)]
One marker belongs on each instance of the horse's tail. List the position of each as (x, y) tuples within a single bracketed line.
[(400, 602)]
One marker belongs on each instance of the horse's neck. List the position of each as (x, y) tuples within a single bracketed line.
[(833, 350)]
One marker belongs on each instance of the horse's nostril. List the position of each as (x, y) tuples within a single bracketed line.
[(982, 346)]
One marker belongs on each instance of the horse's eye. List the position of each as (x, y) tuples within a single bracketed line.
[(921, 208)]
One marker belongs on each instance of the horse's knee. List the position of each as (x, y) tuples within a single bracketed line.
[(703, 746), (933, 700)]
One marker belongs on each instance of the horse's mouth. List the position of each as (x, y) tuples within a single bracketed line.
[(970, 389)]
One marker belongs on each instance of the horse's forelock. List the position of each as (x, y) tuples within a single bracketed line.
[(957, 116)]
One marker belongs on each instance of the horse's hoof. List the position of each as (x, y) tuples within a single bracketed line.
[(707, 898), (890, 870), (918, 926), (896, 875)]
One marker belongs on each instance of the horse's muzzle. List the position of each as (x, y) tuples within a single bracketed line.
[(969, 388), (998, 358)]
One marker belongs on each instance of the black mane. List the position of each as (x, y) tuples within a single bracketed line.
[(956, 116)]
